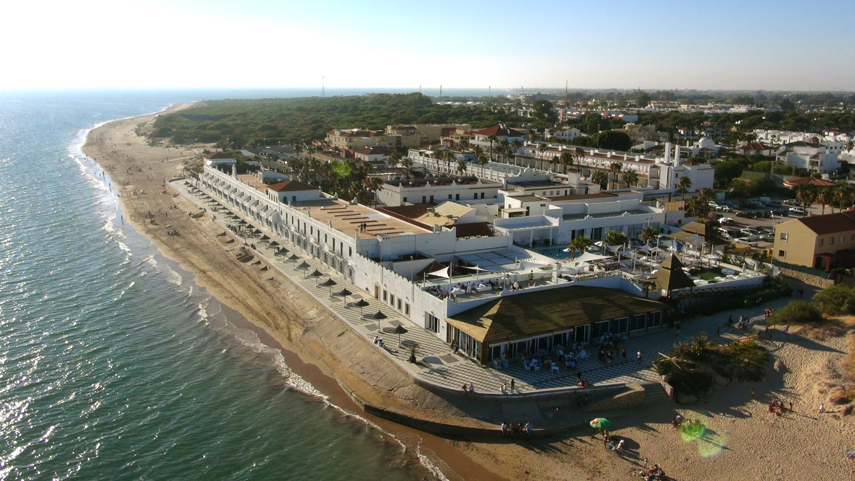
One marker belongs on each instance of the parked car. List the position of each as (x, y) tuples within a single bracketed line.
[(745, 213), (713, 205), (797, 211), (792, 202), (725, 221), (724, 208)]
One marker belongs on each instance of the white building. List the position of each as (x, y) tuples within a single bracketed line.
[(813, 157), (561, 219), (430, 191)]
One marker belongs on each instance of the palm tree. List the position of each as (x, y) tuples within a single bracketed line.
[(648, 234), (407, 162), (461, 167), (375, 184), (482, 161), (516, 144), (541, 148), (505, 144), (614, 238), (630, 178), (841, 198), (683, 186), (824, 198), (615, 170), (492, 139), (579, 244), (566, 159), (695, 206), (806, 198), (601, 178), (707, 195)]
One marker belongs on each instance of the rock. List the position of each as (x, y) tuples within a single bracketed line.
[(779, 365), (720, 381)]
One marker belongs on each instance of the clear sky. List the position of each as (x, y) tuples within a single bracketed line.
[(721, 44)]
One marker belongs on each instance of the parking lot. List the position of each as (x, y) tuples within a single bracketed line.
[(762, 224)]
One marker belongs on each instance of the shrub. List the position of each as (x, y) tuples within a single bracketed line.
[(836, 300), (797, 312)]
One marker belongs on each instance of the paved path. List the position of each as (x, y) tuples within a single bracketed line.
[(437, 362)]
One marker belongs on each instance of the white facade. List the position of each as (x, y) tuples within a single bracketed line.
[(466, 189)]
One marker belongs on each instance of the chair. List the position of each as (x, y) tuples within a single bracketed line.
[(527, 366), (554, 369), (537, 368)]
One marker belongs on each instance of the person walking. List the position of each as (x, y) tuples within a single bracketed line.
[(528, 429), (623, 354), (638, 356)]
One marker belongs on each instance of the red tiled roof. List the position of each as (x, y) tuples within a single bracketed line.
[(755, 146), (291, 186), (498, 131), (830, 223), (809, 181)]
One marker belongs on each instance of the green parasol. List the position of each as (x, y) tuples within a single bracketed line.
[(600, 423)]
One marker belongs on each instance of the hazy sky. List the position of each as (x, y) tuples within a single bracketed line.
[(781, 45)]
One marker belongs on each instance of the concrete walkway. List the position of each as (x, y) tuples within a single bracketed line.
[(438, 365)]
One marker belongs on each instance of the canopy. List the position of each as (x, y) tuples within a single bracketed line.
[(588, 257), (378, 316), (328, 283), (345, 293), (601, 423), (361, 303), (440, 273)]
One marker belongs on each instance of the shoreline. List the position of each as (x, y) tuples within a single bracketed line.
[(738, 423), (305, 363)]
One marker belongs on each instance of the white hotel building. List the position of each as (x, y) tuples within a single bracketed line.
[(385, 259)]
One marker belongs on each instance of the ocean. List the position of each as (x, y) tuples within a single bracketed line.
[(113, 363)]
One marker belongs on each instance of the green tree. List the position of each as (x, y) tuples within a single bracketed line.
[(797, 312), (601, 178), (482, 161), (630, 178), (566, 159), (642, 99), (836, 300), (579, 244), (461, 167), (683, 186), (648, 234), (615, 238), (615, 169), (611, 140)]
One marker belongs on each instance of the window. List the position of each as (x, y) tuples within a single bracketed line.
[(449, 196), (405, 199), (482, 196), (784, 236), (597, 233), (821, 242), (407, 309), (399, 304), (654, 319), (392, 300), (325, 239), (457, 197), (831, 241), (350, 251), (384, 295), (432, 323), (636, 323), (476, 195)]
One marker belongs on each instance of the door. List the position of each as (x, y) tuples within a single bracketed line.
[(376, 291)]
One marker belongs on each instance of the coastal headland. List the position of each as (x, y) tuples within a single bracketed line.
[(322, 349)]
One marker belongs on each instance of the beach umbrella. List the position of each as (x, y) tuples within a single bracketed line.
[(293, 258), (303, 265), (264, 238), (360, 304), (329, 283), (255, 231), (600, 423), (379, 316), (399, 329), (344, 293), (316, 273), (242, 222), (273, 244)]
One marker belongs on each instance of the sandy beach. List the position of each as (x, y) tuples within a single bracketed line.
[(742, 441)]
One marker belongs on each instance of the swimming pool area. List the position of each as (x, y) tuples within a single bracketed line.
[(555, 252)]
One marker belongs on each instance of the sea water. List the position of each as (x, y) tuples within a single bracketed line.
[(113, 363)]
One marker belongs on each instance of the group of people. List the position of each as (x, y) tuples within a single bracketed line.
[(378, 341), (513, 429), (468, 388), (688, 426), (742, 323), (778, 408), (363, 226)]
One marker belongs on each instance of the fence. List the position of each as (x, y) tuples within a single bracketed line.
[(804, 270)]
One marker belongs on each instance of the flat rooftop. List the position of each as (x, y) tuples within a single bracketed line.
[(346, 217), (606, 214), (253, 182)]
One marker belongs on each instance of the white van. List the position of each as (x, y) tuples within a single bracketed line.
[(797, 211)]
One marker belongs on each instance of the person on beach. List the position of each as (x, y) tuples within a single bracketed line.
[(528, 429), (504, 429), (821, 408), (638, 356), (513, 385), (465, 388)]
